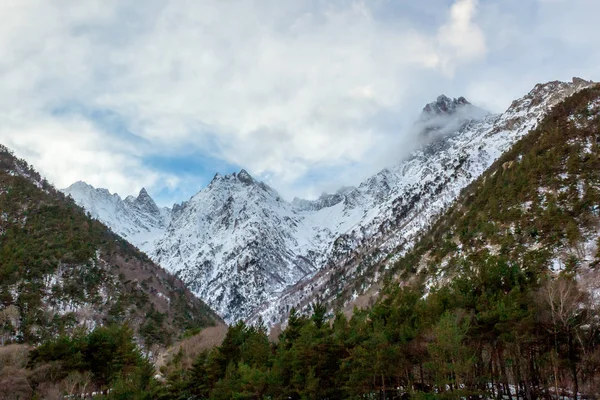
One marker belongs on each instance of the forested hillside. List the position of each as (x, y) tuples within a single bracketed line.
[(538, 205), (61, 270), (501, 298)]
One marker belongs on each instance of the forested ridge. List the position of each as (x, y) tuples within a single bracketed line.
[(500, 299), (64, 273)]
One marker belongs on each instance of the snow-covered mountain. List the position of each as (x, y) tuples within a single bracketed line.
[(401, 202), (137, 219), (235, 243), (248, 252), (444, 116)]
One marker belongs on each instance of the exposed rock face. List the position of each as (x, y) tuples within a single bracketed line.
[(444, 105), (445, 116)]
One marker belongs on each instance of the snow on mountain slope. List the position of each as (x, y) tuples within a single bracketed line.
[(247, 252), (235, 243), (137, 219), (402, 201)]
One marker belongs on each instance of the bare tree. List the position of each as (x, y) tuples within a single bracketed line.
[(565, 307)]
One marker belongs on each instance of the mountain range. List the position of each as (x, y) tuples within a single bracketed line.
[(247, 252), (498, 298), (477, 256)]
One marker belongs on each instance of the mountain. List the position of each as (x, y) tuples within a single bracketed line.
[(234, 243), (498, 299), (247, 252), (400, 203), (61, 270), (137, 219), (537, 207), (446, 115)]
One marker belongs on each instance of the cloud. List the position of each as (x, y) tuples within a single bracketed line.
[(461, 38), (531, 42), (292, 91), (67, 149)]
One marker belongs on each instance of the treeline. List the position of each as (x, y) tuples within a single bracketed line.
[(498, 331), (104, 362)]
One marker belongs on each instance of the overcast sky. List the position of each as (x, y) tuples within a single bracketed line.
[(306, 95)]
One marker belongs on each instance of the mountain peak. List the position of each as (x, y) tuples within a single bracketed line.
[(579, 81), (217, 177), (244, 177), (444, 105), (80, 185), (446, 115), (143, 194), (144, 200)]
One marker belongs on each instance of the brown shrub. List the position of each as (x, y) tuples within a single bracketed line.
[(14, 384), (13, 355), (191, 347), (50, 391)]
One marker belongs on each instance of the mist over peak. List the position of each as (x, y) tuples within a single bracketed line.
[(443, 105), (446, 115)]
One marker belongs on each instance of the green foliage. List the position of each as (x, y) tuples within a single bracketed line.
[(108, 354), (152, 329), (53, 255), (491, 325)]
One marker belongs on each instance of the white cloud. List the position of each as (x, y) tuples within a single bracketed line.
[(460, 38), (282, 88), (67, 149)]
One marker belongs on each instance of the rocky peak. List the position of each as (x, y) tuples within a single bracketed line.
[(244, 177), (144, 201), (81, 185), (446, 115), (143, 194), (546, 95), (579, 81), (81, 188), (443, 105), (218, 177)]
